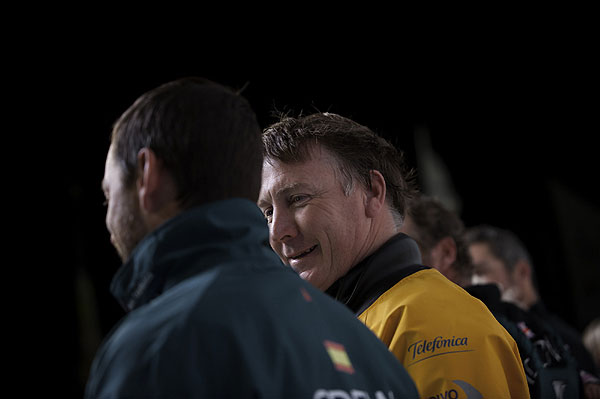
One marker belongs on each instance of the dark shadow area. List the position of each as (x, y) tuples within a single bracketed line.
[(516, 140)]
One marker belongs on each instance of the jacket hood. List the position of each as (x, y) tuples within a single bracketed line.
[(213, 232)]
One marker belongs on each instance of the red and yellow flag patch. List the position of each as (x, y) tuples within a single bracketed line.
[(339, 357), (305, 294)]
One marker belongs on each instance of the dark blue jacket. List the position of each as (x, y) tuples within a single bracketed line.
[(214, 314)]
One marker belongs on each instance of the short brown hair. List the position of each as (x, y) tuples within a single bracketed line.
[(433, 221), (205, 133), (503, 244), (358, 150)]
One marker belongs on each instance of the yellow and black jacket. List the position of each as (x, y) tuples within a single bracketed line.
[(449, 342)]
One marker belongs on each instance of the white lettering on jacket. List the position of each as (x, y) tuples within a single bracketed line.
[(353, 394)]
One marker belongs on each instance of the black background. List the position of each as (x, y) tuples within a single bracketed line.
[(514, 125)]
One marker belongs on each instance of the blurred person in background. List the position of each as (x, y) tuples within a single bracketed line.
[(500, 257)]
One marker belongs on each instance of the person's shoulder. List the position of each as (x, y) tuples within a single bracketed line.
[(427, 285), (559, 325), (423, 291), (243, 294), (429, 293), (173, 307)]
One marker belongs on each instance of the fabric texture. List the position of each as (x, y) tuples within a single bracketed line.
[(550, 368), (213, 313), (449, 342)]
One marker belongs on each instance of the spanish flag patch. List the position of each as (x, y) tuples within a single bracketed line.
[(305, 294), (339, 357)]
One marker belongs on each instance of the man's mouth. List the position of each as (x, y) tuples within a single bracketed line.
[(303, 254)]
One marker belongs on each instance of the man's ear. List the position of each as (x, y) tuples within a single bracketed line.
[(150, 175), (375, 198), (521, 271), (444, 253)]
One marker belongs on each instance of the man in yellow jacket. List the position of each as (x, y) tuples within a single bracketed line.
[(334, 196)]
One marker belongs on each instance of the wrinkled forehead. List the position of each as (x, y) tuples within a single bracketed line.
[(305, 152), (320, 169), (315, 154)]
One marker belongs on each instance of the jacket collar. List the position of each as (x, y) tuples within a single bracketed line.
[(188, 244), (488, 294), (364, 283)]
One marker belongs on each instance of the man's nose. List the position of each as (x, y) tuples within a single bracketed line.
[(283, 226)]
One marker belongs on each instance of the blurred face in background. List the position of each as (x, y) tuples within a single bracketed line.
[(489, 269)]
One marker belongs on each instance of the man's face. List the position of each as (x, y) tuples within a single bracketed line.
[(123, 217), (489, 269), (314, 226)]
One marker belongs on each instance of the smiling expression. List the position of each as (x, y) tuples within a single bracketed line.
[(314, 226)]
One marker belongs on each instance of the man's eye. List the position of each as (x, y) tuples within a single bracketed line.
[(268, 213), (298, 198)]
